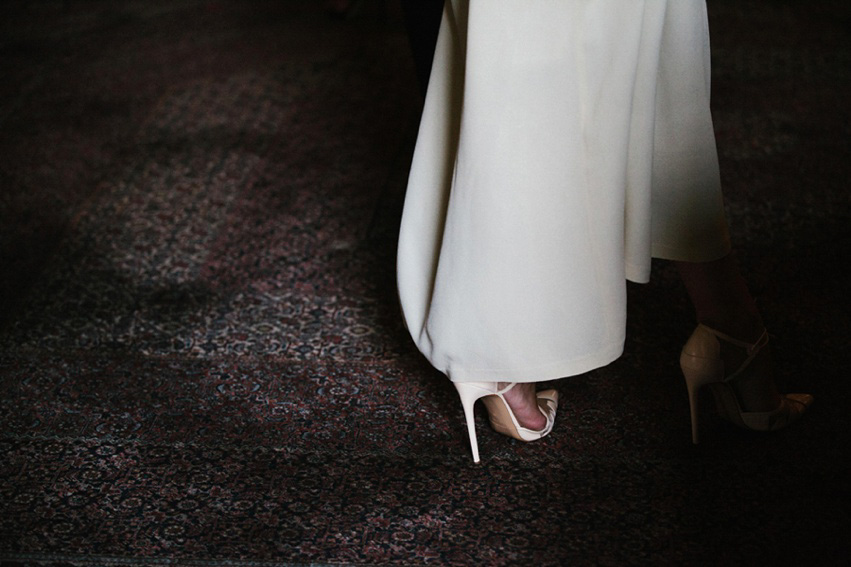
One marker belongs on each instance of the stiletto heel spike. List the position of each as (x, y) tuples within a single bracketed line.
[(469, 394), (696, 377), (502, 419), (702, 365)]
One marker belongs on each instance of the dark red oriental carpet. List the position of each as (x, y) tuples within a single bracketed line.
[(201, 356)]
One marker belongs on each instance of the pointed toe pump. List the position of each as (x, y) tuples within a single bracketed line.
[(502, 419), (702, 365)]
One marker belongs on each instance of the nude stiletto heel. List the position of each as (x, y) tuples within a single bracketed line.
[(502, 419), (702, 365)]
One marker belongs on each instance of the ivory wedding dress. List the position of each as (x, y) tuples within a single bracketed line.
[(563, 144)]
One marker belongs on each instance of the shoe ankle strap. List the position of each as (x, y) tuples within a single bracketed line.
[(751, 348)]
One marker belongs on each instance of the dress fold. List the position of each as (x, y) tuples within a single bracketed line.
[(562, 144)]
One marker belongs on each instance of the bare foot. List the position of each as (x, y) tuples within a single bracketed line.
[(523, 402)]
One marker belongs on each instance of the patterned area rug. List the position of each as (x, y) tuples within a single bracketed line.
[(201, 356)]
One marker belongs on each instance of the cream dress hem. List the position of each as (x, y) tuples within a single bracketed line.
[(563, 143)]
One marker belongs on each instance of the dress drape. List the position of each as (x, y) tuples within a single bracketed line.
[(563, 143)]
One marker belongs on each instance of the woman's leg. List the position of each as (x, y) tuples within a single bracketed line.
[(721, 298), (722, 301)]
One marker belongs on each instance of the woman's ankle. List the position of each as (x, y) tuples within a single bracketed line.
[(741, 323)]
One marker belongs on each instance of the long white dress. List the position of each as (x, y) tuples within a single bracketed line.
[(562, 144)]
